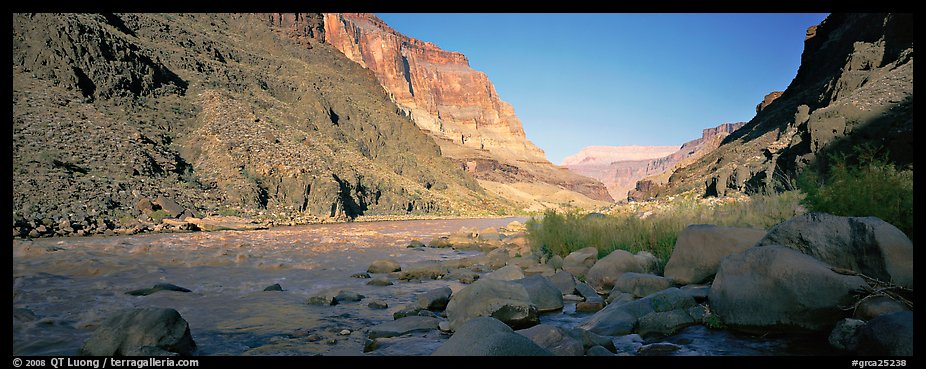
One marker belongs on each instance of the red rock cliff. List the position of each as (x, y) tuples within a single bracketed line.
[(436, 87)]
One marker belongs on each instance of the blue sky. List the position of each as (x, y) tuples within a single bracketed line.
[(578, 80)]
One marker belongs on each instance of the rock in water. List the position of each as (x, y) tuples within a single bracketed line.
[(564, 281), (380, 281), (506, 301), (434, 300), (700, 247), (274, 287), (876, 306), (384, 266), (867, 245), (348, 296), (156, 288), (554, 339), (845, 335), (890, 334), (578, 262), (641, 285), (485, 336), (543, 293), (777, 287), (377, 304), (141, 332), (322, 300), (402, 326), (664, 313), (609, 269)]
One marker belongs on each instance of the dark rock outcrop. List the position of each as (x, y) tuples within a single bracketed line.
[(141, 332)]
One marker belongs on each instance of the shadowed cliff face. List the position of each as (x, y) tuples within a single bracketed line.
[(854, 86), (460, 108), (251, 112)]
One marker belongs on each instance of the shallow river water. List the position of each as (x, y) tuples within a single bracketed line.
[(63, 288)]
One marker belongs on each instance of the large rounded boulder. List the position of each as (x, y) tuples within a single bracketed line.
[(141, 332), (778, 288), (866, 245), (700, 247), (604, 274), (488, 337), (506, 301), (578, 262)]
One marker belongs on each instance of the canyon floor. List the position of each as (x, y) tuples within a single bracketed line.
[(63, 288)]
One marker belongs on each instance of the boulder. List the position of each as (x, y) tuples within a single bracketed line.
[(556, 262), (641, 285), (698, 291), (497, 258), (141, 332), (589, 306), (618, 297), (589, 339), (274, 287), (507, 273), (867, 245), (169, 205), (587, 292), (434, 300), (378, 304), (402, 326), (384, 266), (875, 306), (506, 301), (889, 334), (700, 247), (348, 296), (598, 351), (380, 281), (609, 269), (845, 335), (578, 262), (539, 269), (661, 313), (488, 337), (440, 242), (322, 300), (775, 287), (543, 294), (157, 287), (465, 276), (564, 281), (414, 244), (429, 269), (554, 339)]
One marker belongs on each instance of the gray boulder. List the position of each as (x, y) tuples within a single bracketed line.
[(384, 266), (543, 294), (868, 245), (141, 332), (664, 313), (876, 306), (641, 285), (465, 276), (434, 300), (506, 301), (889, 334), (429, 269), (402, 326), (380, 281), (578, 262), (554, 339), (598, 351), (777, 287), (609, 269), (564, 281), (348, 296), (486, 336), (700, 247), (507, 273), (845, 335)]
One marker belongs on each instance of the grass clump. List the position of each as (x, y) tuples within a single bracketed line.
[(654, 227), (158, 215), (870, 186)]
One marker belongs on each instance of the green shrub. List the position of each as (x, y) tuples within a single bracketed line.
[(158, 215), (226, 212), (870, 187), (625, 229)]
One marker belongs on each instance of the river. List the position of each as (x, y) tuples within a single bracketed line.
[(63, 288)]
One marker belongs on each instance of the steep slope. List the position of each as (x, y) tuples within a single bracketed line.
[(617, 167), (252, 114), (459, 107), (854, 87), (658, 171)]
